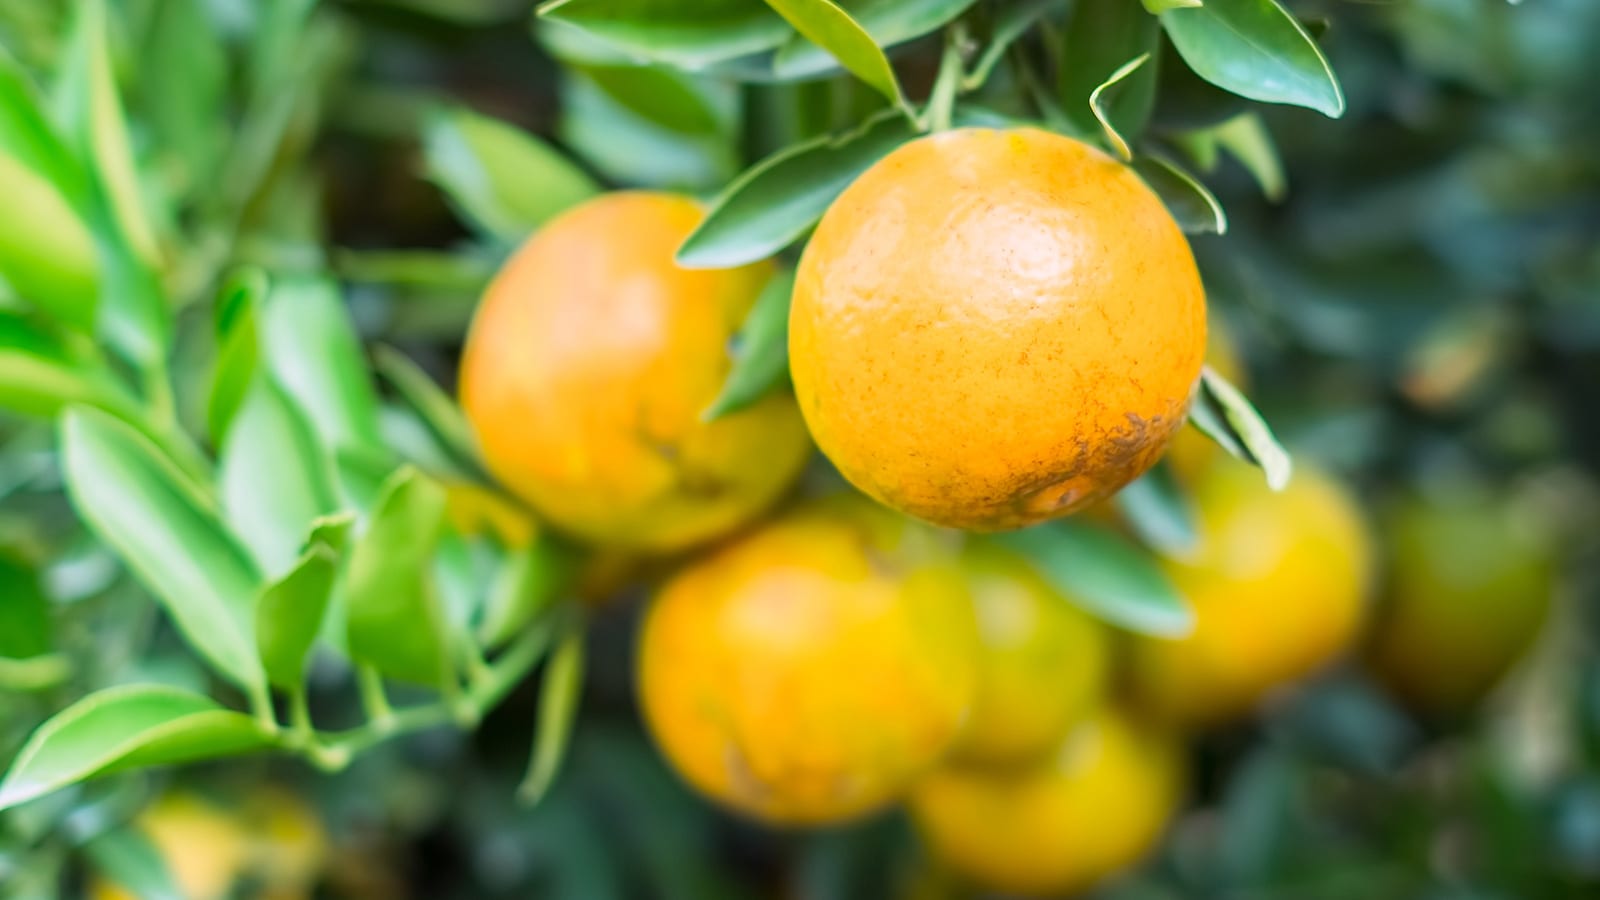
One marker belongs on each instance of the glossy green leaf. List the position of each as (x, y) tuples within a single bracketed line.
[(238, 349), (559, 693), (505, 179), (48, 256), (313, 352), (1157, 7), (760, 352), (273, 478), (168, 534), (126, 727), (125, 857), (660, 95), (1227, 417), (289, 615), (1100, 37), (1195, 208), (1256, 49), (889, 22), (1105, 575), (1246, 138), (827, 25), (780, 198), (688, 33), (1100, 100), (394, 617), (1159, 512), (443, 418), (25, 627), (529, 581)]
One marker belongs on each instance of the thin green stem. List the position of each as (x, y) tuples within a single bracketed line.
[(300, 725), (261, 706), (380, 715), (941, 103)]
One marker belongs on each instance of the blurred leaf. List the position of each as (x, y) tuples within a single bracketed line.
[(1100, 38), (828, 26), (530, 579), (27, 137), (1105, 575), (124, 857), (168, 534), (1193, 206), (688, 33), (1009, 25), (635, 152), (1101, 98), (395, 619), (443, 418), (184, 81), (781, 197), (508, 181), (332, 531), (1246, 138), (1255, 49), (289, 615), (37, 377), (272, 477), (1159, 512), (659, 95), (889, 22), (1227, 417), (760, 351), (1157, 7), (25, 627), (559, 693), (312, 351), (125, 727), (238, 350), (1255, 816), (361, 477)]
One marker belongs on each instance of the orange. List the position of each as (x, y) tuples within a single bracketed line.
[(806, 673), (1090, 809), (1469, 588), (1042, 662), (994, 328), (1191, 452), (589, 363), (1278, 584)]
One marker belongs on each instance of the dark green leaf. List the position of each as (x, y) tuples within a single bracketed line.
[(761, 350), (688, 33), (1105, 575), (1159, 512), (508, 181), (1101, 37), (289, 615), (433, 406), (312, 350), (168, 534), (1102, 97), (660, 95), (1255, 49), (395, 618), (25, 627), (273, 478), (1256, 815), (127, 859), (828, 26), (559, 694), (126, 727), (1193, 206), (889, 22), (778, 199), (1226, 416)]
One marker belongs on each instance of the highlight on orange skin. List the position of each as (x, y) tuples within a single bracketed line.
[(994, 328)]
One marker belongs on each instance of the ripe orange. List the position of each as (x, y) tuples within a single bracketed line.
[(994, 328), (1278, 585), (1469, 587), (589, 363), (807, 672), (1042, 663), (1090, 809)]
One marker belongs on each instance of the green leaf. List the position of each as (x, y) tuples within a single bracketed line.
[(1105, 575), (183, 87), (126, 858), (433, 406), (27, 136), (688, 33), (1099, 39), (1246, 138), (1012, 23), (780, 198), (238, 349), (889, 22), (25, 626), (828, 26), (503, 178), (559, 694), (289, 615), (126, 727), (1158, 511), (168, 534), (38, 376), (313, 353), (761, 350), (273, 478), (1256, 49), (1226, 416), (529, 581), (1157, 7), (48, 256), (1193, 206), (395, 618), (635, 152), (660, 95), (1100, 104), (332, 531)]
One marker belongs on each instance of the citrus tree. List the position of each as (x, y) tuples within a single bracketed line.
[(419, 403)]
